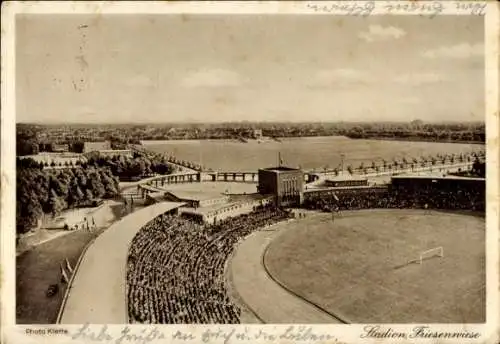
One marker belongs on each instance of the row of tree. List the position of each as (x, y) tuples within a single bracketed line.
[(34, 138), (42, 191), (407, 163), (125, 168)]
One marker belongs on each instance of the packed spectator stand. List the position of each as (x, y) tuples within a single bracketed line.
[(175, 270), (176, 265), (460, 197)]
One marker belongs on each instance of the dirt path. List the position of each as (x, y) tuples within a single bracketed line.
[(97, 294), (260, 293)]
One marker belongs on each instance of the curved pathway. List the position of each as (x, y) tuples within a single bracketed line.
[(97, 294), (261, 294)]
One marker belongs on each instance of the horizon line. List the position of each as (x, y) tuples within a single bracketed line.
[(251, 122)]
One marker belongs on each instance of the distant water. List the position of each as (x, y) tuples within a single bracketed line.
[(306, 152)]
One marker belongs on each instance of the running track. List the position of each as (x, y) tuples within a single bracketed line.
[(261, 294), (97, 294)]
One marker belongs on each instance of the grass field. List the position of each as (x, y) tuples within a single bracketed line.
[(39, 267), (357, 267), (214, 187)]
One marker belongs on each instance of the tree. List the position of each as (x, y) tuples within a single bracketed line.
[(56, 204), (88, 195), (59, 186), (30, 211), (75, 195), (110, 187), (96, 186)]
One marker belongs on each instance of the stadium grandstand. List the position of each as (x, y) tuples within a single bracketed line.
[(176, 262)]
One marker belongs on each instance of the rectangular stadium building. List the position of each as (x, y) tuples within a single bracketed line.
[(285, 183)]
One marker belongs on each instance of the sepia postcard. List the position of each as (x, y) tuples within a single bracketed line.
[(250, 172)]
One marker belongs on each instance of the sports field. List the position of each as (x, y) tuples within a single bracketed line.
[(357, 266), (214, 187)]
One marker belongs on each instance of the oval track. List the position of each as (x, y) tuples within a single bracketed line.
[(260, 293)]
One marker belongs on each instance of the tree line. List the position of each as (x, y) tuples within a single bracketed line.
[(47, 191), (41, 190), (34, 138), (137, 167)]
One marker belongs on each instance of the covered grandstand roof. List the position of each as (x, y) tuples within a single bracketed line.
[(195, 195), (211, 208), (447, 177), (280, 169), (345, 177)]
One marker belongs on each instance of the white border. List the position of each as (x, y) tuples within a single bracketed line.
[(343, 333)]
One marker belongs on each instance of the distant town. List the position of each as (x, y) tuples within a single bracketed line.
[(35, 138)]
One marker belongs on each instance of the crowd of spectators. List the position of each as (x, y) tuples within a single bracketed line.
[(425, 198), (175, 270)]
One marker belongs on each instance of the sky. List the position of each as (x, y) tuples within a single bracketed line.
[(218, 68)]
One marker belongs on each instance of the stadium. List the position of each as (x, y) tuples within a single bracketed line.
[(410, 251)]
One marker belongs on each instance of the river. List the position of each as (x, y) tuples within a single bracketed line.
[(306, 152)]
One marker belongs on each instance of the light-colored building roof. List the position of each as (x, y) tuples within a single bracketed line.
[(447, 177), (117, 151), (196, 196), (280, 169), (345, 177), (96, 146)]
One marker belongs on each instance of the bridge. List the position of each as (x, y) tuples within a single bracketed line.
[(252, 176), (231, 176), (451, 167), (154, 184), (377, 173)]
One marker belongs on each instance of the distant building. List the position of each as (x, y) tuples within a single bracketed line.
[(196, 199), (127, 153), (96, 146), (346, 180), (235, 207), (438, 184), (257, 133), (284, 183), (60, 148), (57, 160)]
